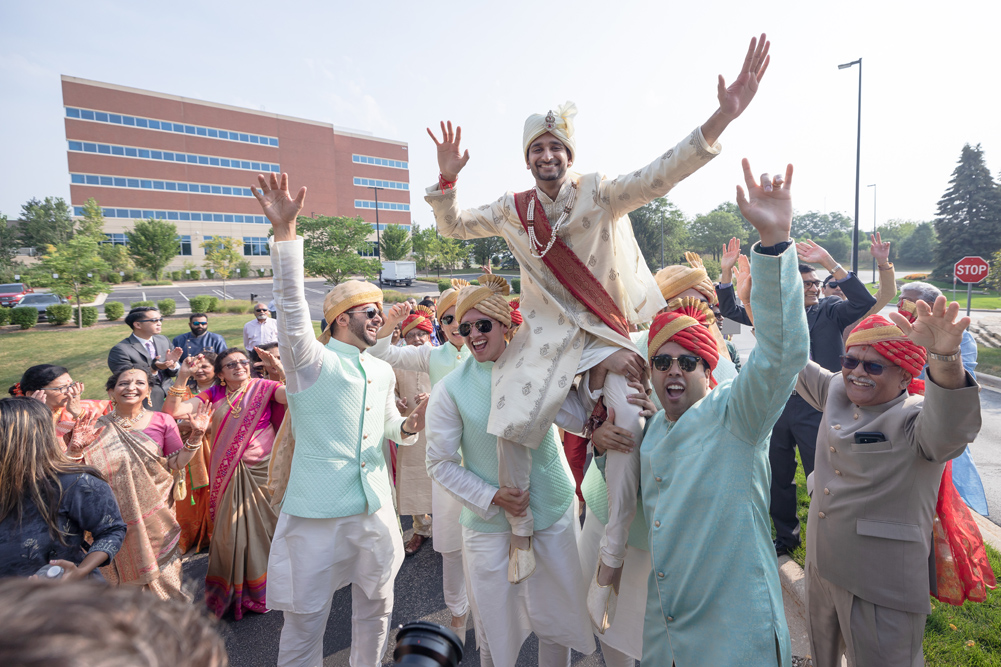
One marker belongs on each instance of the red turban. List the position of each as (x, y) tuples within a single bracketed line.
[(516, 318), (418, 320), (688, 329), (887, 339)]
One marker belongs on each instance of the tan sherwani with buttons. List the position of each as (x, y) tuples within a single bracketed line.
[(413, 486), (560, 337)]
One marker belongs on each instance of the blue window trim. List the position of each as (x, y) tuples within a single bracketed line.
[(148, 184), (380, 161), (170, 126), (383, 205), (137, 214), (375, 182)]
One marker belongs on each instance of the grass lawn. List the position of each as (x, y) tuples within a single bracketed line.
[(989, 360), (85, 353), (954, 636), (982, 301)]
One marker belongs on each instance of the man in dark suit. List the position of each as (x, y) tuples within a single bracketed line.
[(147, 347), (797, 427)]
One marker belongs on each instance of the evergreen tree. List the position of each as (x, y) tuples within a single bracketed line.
[(45, 223), (969, 213), (919, 247), (153, 244)]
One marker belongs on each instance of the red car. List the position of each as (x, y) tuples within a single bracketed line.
[(12, 293)]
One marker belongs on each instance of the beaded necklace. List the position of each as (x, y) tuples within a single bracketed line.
[(534, 242), (127, 423)]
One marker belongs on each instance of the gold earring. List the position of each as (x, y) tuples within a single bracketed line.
[(222, 383)]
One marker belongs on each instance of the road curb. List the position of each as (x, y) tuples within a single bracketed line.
[(991, 381), (990, 531), (793, 581)]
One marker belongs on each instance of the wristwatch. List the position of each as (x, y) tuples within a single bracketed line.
[(405, 433), (942, 357)]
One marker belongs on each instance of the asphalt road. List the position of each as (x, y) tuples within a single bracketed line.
[(253, 641)]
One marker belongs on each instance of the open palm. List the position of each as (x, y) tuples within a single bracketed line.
[(276, 202), (768, 204), (733, 99), (451, 158)]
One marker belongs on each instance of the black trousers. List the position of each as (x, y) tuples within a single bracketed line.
[(796, 427)]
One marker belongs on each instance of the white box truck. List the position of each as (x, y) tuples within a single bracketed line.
[(398, 273)]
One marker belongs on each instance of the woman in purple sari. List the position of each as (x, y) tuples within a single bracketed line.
[(246, 414)]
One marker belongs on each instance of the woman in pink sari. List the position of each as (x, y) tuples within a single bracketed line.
[(246, 414)]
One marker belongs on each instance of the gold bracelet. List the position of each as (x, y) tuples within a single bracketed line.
[(174, 391)]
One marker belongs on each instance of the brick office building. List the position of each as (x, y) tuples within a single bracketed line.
[(142, 154)]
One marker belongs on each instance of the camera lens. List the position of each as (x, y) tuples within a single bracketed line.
[(424, 644)]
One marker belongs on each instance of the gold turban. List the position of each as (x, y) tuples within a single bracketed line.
[(345, 296), (449, 296), (673, 280), (559, 123), (488, 297)]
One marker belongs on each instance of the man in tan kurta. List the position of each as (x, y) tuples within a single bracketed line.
[(561, 336), (413, 486)]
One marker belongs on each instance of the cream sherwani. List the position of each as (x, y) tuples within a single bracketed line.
[(413, 486), (560, 336)]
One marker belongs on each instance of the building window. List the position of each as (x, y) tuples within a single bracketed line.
[(255, 245), (167, 126), (389, 185), (185, 241), (115, 239), (379, 161), (143, 184), (142, 214), (383, 205), (168, 156), (371, 251)]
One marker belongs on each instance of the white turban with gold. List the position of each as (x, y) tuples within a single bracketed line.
[(559, 123)]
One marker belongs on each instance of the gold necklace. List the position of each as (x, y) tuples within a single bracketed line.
[(235, 410), (127, 423)]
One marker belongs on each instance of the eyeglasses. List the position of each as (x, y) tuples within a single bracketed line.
[(61, 390), (233, 365), (158, 319), (812, 283), (260, 310), (199, 324), (687, 362), (483, 326), (370, 312), (448, 319), (870, 367)]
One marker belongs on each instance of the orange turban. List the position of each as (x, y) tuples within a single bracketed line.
[(686, 327), (418, 320), (886, 338)]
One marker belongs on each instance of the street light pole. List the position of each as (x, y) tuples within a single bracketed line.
[(662, 239), (378, 237), (858, 158), (873, 186)]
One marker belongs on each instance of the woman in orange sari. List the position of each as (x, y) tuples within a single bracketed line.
[(53, 386), (246, 413), (197, 374)]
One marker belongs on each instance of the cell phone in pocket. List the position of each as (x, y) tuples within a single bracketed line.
[(869, 437)]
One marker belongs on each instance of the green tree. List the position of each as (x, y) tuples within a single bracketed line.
[(92, 222), (816, 225), (919, 247), (8, 251), (896, 232), (153, 244), (395, 243), (117, 257), (839, 244), (424, 241), (710, 232), (451, 252), (969, 213), (45, 223), (648, 221), (73, 269), (223, 254), (487, 249), (994, 277), (332, 246)]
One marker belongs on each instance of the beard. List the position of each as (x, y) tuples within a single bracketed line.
[(560, 174), (357, 327)]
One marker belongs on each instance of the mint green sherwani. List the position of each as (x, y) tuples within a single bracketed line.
[(714, 596)]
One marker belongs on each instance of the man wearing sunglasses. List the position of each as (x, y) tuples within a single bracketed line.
[(436, 362), (146, 346), (338, 525), (199, 339), (260, 330), (881, 452)]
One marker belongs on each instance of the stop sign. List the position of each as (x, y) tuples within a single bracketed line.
[(971, 269)]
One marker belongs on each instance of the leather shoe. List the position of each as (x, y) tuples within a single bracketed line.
[(601, 603), (414, 544), (781, 549), (520, 563)]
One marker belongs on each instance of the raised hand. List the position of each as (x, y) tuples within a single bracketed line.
[(272, 364), (38, 395), (73, 405), (401, 404), (392, 317), (880, 250), (450, 159), (187, 368), (735, 98), (768, 204), (812, 253), (938, 328), (278, 205), (415, 422), (170, 358), (729, 259), (200, 420), (744, 280)]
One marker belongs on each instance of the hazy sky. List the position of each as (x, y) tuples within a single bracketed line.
[(643, 74)]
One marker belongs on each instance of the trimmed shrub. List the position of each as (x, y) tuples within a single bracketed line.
[(89, 316), (235, 308), (4, 317), (194, 275), (199, 304), (156, 283), (177, 275), (245, 270), (213, 305), (24, 316), (393, 296), (262, 273), (113, 278), (59, 313), (474, 282), (138, 304), (114, 310), (166, 306), (139, 276), (444, 285), (516, 285)]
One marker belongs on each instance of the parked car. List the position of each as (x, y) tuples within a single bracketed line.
[(40, 302), (12, 293)]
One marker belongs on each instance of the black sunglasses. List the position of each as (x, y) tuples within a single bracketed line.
[(870, 367), (260, 310), (483, 326), (158, 319), (448, 319), (370, 312), (233, 365), (687, 362)]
